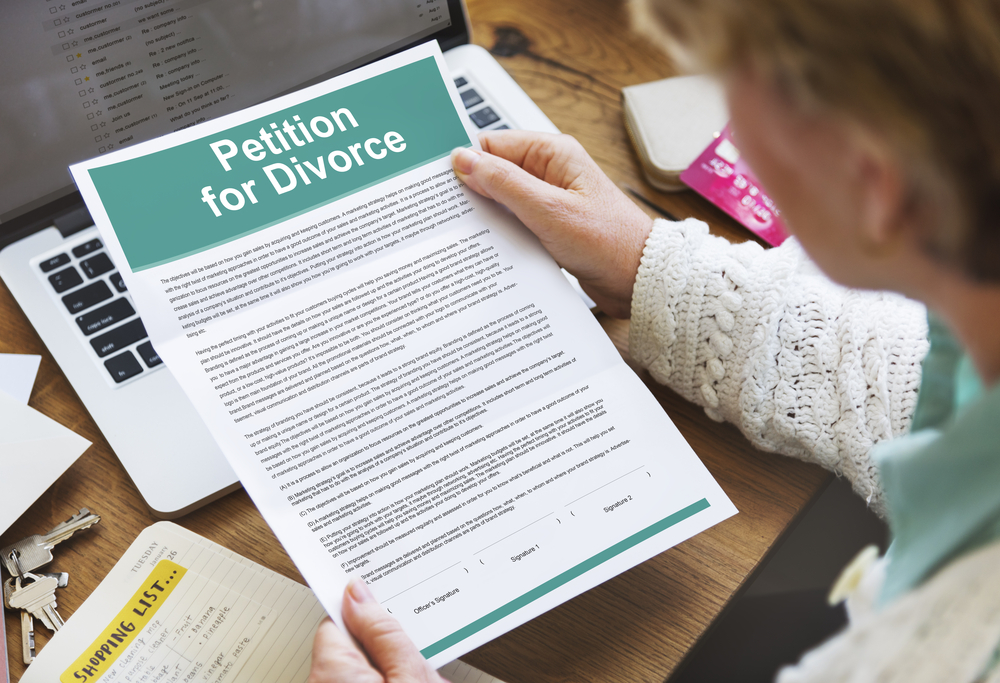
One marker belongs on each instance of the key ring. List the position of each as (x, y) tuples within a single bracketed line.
[(15, 557)]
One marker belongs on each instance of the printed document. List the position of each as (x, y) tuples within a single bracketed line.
[(404, 380)]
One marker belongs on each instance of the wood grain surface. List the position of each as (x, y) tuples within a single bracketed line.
[(573, 59)]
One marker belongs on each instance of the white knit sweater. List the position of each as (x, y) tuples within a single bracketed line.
[(819, 372), (762, 339)]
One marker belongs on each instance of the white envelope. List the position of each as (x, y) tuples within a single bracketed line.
[(17, 374), (34, 452)]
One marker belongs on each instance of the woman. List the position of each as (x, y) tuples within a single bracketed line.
[(874, 126)]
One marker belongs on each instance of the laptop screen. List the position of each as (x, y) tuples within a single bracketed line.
[(85, 77)]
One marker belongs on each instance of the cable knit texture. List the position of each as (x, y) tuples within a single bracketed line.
[(762, 339), (948, 629), (809, 369)]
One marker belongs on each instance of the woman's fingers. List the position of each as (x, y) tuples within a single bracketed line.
[(585, 222), (530, 198), (388, 647), (336, 659), (557, 159)]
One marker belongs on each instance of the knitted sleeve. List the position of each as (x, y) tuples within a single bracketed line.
[(947, 629), (762, 339)]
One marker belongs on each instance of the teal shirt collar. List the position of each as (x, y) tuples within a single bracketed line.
[(942, 482)]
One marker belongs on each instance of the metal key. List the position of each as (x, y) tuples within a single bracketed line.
[(36, 550), (61, 577), (8, 585), (39, 598), (27, 637), (8, 590)]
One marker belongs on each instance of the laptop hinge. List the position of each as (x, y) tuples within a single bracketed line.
[(74, 221)]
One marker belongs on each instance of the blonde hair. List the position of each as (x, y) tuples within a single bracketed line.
[(923, 75)]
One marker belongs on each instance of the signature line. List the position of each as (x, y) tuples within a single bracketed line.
[(418, 583), (603, 485), (515, 532)]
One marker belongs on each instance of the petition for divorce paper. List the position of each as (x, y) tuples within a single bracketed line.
[(403, 379)]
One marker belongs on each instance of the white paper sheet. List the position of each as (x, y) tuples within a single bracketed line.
[(17, 375), (406, 384), (34, 452)]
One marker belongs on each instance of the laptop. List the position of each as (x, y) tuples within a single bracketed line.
[(85, 77)]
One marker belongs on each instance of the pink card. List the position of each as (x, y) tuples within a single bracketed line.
[(721, 176)]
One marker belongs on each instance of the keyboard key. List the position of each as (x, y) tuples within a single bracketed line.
[(484, 117), (460, 82), (149, 355), (54, 262), (65, 279), (96, 265), (123, 367), (84, 298), (105, 316), (86, 248), (502, 126), (118, 338), (118, 282), (470, 98)]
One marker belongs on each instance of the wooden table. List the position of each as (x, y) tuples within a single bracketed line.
[(573, 59)]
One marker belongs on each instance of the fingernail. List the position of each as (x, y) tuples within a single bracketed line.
[(359, 591), (464, 159)]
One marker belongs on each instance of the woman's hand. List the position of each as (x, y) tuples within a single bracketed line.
[(388, 654), (588, 225)]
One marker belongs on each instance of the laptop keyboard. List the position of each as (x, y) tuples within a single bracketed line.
[(479, 110), (95, 298), (93, 293)]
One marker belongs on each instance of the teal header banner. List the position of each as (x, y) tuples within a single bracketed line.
[(192, 197)]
